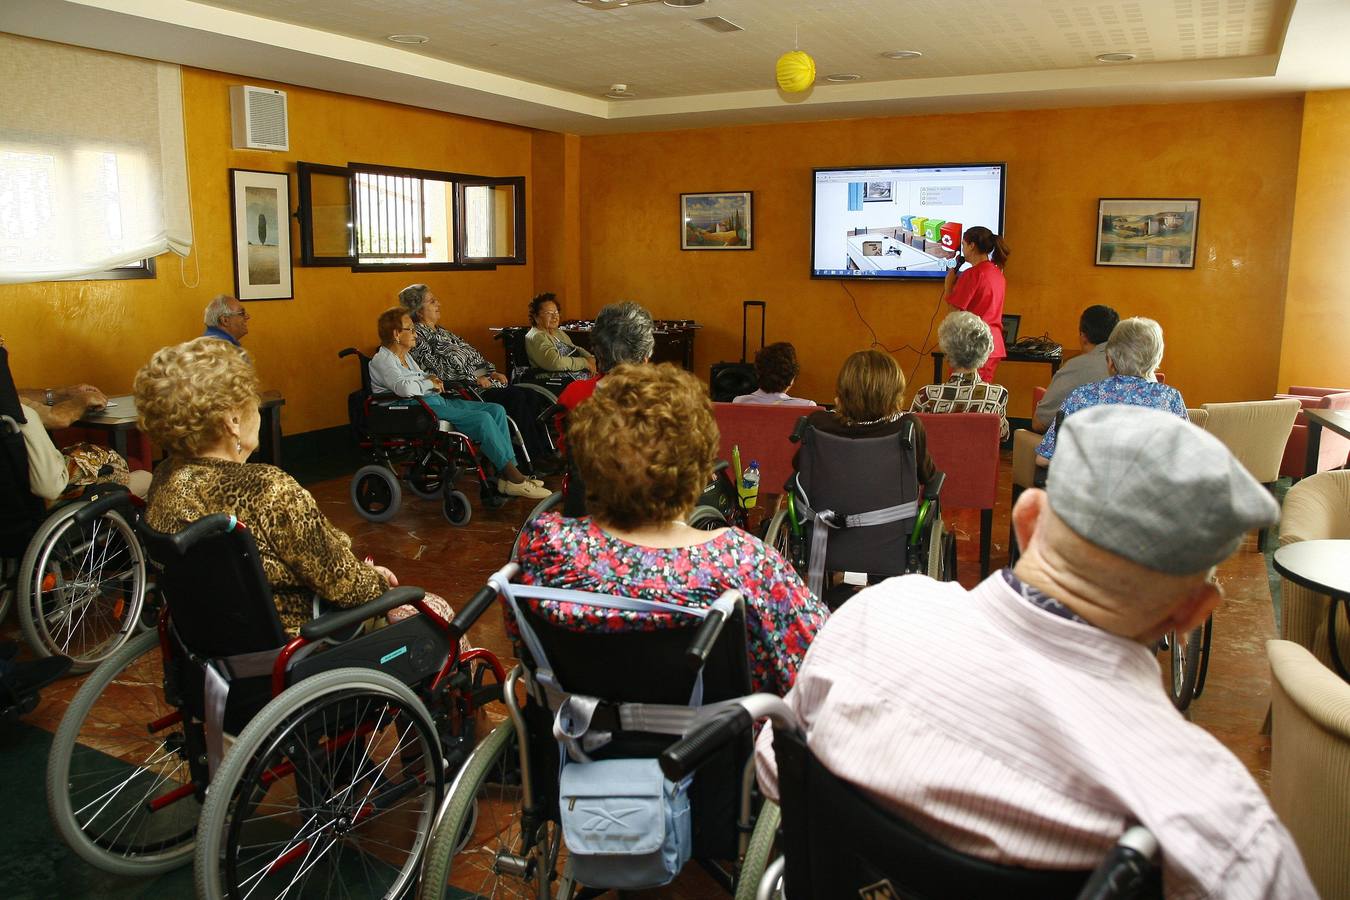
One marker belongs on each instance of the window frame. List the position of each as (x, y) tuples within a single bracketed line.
[(456, 182), (129, 272)]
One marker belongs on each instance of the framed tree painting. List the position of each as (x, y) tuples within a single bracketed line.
[(722, 221), (261, 229)]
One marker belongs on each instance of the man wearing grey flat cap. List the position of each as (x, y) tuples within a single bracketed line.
[(1024, 721)]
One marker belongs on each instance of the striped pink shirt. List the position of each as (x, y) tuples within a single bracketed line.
[(1025, 738)]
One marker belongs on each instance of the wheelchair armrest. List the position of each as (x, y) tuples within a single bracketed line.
[(345, 619), (933, 486), (107, 497)]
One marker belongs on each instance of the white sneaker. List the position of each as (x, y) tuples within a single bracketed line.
[(523, 489)]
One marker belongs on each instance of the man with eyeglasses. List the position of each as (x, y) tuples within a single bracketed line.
[(225, 319)]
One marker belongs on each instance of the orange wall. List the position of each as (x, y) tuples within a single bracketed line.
[(1239, 158), (102, 331), (1317, 306)]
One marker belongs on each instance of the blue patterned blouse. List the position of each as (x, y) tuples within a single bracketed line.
[(1127, 390)]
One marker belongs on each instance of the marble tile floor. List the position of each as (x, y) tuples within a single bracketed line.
[(423, 549)]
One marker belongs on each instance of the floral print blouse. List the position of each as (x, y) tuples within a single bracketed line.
[(1127, 390), (447, 355), (781, 614)]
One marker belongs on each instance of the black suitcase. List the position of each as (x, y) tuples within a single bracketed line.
[(729, 380)]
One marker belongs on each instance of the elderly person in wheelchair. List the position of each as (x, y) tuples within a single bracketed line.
[(548, 347), (623, 333), (1023, 723), (966, 340), (199, 400), (645, 444), (441, 352)]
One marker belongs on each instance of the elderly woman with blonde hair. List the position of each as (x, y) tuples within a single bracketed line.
[(966, 341), (1133, 353), (645, 444), (199, 400)]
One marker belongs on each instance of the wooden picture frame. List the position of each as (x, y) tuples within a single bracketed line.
[(260, 227), (717, 221), (1147, 232)]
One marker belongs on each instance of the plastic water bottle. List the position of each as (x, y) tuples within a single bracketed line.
[(750, 485)]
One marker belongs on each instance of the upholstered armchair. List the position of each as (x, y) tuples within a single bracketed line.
[(1333, 450), (1317, 508)]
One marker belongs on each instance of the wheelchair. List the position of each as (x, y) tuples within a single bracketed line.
[(838, 516), (547, 384), (838, 843), (642, 689), (340, 753), (76, 572), (407, 444)]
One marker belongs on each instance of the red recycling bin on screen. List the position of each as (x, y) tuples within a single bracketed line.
[(951, 238)]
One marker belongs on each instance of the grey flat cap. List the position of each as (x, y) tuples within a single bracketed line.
[(1153, 488)]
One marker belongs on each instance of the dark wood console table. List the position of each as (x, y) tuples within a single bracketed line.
[(674, 341)]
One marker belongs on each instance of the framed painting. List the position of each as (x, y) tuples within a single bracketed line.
[(260, 225), (722, 221), (1158, 234)]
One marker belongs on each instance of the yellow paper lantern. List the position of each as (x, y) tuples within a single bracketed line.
[(796, 71)]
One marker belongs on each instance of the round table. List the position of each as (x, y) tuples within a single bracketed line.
[(1322, 566)]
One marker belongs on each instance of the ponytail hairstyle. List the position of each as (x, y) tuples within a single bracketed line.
[(987, 242)]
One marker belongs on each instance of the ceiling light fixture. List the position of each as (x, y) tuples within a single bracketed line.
[(1115, 57), (409, 38), (619, 92), (843, 77), (902, 54), (680, 4)]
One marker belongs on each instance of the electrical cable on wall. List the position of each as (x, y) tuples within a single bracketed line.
[(923, 347)]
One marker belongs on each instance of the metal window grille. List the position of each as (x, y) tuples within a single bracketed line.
[(390, 220)]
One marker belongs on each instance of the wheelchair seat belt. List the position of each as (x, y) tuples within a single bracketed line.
[(573, 713), (826, 519)]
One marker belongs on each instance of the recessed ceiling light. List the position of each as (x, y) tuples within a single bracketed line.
[(409, 38), (619, 92), (1115, 57), (902, 54), (682, 3), (842, 77)]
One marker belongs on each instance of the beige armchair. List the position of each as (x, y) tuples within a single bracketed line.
[(1255, 431), (1198, 417), (1317, 508), (1310, 763)]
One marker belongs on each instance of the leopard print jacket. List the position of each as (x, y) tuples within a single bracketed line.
[(302, 552)]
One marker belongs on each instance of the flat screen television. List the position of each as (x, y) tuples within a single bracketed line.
[(893, 222)]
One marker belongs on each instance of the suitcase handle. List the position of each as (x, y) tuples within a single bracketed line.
[(745, 324)]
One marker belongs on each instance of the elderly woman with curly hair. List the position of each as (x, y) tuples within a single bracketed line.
[(548, 346), (1133, 353), (645, 443), (776, 370), (441, 352), (966, 340), (199, 400)]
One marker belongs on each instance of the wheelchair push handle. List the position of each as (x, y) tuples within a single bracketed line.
[(180, 542), (704, 638), (478, 604), (703, 740), (1125, 868), (342, 620)]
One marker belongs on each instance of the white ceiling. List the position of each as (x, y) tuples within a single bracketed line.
[(548, 63)]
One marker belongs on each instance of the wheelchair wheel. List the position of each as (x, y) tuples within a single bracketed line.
[(80, 588), (1185, 653), (707, 518), (9, 571), (758, 852), (499, 857), (335, 781), (552, 501), (779, 536), (376, 493), (105, 767), (425, 482), (456, 509)]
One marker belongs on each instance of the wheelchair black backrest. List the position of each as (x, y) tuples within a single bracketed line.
[(21, 511), (219, 600), (857, 475), (374, 414), (839, 843)]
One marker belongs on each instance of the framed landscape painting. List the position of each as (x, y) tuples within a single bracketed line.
[(1144, 232), (261, 228), (721, 221)]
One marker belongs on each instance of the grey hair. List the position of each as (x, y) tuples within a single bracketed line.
[(411, 298), (1135, 347), (622, 334), (966, 340), (217, 309)]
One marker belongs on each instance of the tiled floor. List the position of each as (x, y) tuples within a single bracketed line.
[(422, 549)]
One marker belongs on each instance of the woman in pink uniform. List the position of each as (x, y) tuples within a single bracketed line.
[(980, 288)]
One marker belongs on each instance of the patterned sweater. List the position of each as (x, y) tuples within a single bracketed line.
[(302, 552), (447, 355)]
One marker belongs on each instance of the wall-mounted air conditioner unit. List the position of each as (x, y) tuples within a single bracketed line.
[(258, 118)]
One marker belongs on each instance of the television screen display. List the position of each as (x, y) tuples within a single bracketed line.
[(900, 221)]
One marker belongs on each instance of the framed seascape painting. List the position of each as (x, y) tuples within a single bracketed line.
[(717, 221), (1156, 234), (261, 228)]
